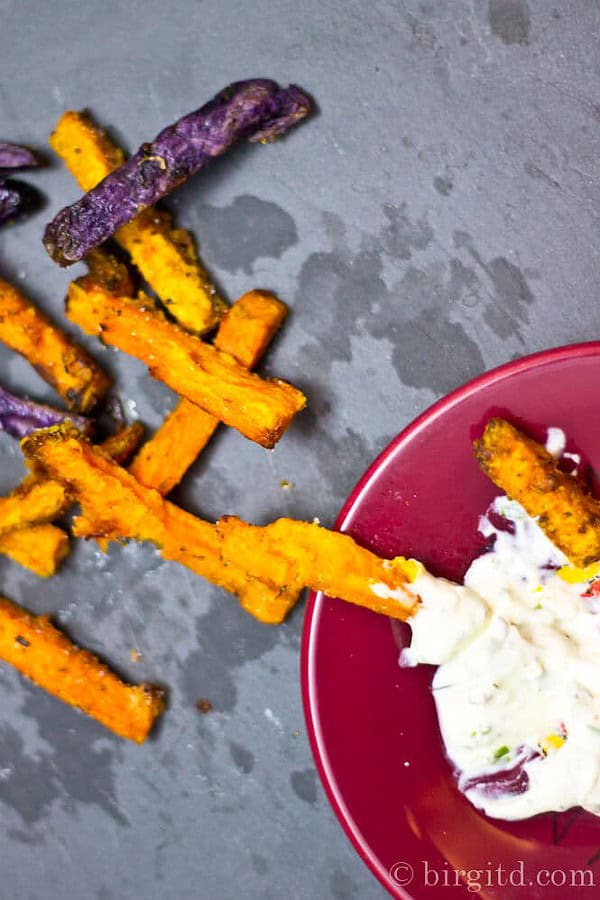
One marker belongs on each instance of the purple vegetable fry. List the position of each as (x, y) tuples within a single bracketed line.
[(13, 156), (20, 417), (11, 200), (255, 110), (15, 198)]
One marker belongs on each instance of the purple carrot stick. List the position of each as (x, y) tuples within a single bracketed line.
[(20, 417), (13, 156), (255, 110)]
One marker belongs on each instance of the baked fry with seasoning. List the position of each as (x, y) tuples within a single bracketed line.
[(260, 409), (45, 655), (165, 256), (528, 473), (34, 502), (116, 506), (266, 567), (307, 554), (244, 333), (257, 110), (25, 533), (59, 360), (122, 445), (39, 548)]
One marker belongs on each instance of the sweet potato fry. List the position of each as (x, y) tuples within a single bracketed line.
[(165, 256), (67, 367), (163, 460), (260, 409), (40, 548), (266, 567), (244, 333), (529, 474), (256, 109), (24, 535), (122, 445), (38, 650), (115, 506), (250, 325), (306, 554), (110, 273), (87, 151), (34, 502)]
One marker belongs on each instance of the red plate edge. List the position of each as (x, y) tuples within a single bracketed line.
[(315, 599)]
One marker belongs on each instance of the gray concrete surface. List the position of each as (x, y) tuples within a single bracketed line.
[(439, 217)]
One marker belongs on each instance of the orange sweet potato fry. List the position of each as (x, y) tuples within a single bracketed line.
[(163, 460), (529, 474), (165, 256), (258, 408), (244, 333), (116, 506), (35, 501), (60, 361), (38, 650), (40, 548), (87, 151), (250, 325), (24, 536), (122, 445), (266, 567), (40, 500), (110, 273), (306, 554)]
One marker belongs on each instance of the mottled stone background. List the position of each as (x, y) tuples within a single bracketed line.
[(439, 217)]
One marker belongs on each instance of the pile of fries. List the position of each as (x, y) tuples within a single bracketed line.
[(204, 350)]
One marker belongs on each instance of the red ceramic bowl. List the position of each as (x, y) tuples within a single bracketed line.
[(372, 725)]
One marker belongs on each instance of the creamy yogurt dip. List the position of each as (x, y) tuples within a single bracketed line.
[(517, 689)]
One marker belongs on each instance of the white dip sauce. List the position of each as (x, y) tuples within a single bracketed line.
[(517, 690)]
